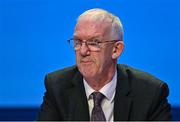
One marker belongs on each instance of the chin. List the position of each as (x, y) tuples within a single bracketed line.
[(87, 73)]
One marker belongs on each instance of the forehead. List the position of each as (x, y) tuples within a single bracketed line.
[(88, 28)]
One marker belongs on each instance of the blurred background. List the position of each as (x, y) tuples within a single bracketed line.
[(33, 36)]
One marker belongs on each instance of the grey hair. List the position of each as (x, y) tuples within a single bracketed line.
[(97, 14)]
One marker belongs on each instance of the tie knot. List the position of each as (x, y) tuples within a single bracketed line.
[(97, 98)]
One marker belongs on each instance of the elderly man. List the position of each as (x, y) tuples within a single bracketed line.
[(97, 88)]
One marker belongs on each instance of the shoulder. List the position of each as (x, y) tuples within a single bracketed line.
[(142, 82), (63, 73), (148, 93), (60, 78)]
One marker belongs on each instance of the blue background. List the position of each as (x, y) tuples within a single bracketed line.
[(33, 36)]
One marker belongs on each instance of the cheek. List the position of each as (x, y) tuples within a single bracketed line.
[(78, 57), (100, 62), (104, 59)]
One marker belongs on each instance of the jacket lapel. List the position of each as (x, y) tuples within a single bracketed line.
[(122, 102), (78, 105)]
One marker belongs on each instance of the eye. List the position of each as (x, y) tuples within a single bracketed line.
[(77, 41), (95, 40), (93, 43)]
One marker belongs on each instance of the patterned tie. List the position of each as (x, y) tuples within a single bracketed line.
[(97, 112)]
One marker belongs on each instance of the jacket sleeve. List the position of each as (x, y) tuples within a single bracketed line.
[(48, 109), (161, 109)]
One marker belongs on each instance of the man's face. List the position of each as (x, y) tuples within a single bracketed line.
[(93, 64)]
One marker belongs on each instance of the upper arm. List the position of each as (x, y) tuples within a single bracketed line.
[(160, 108), (48, 109)]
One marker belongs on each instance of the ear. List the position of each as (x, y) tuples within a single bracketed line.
[(118, 49)]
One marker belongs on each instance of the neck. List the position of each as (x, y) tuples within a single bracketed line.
[(102, 79)]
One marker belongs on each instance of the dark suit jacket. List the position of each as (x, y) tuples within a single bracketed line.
[(139, 96)]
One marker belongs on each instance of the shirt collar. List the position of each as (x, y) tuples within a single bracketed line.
[(108, 90)]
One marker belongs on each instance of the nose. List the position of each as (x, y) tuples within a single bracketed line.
[(84, 50)]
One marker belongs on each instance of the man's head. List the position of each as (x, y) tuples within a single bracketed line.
[(101, 36)]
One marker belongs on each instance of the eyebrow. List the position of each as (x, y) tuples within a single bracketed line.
[(95, 37)]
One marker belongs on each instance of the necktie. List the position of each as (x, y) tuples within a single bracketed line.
[(97, 112)]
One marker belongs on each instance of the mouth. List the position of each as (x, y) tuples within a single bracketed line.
[(86, 62)]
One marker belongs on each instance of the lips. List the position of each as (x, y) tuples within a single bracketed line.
[(86, 61)]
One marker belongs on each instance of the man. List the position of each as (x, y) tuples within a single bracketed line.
[(98, 89)]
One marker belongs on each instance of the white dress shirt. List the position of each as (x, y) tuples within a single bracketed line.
[(108, 102)]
